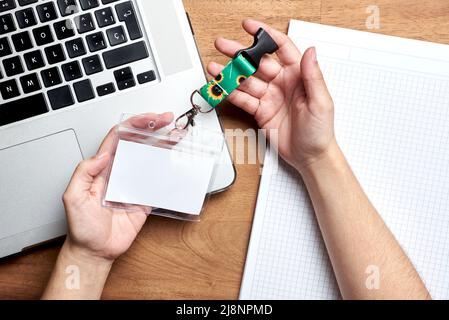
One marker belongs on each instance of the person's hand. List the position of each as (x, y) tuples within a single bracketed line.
[(288, 95), (94, 230)]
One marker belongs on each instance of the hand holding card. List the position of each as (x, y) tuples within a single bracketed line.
[(154, 169)]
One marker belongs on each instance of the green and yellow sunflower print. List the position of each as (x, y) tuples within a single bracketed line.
[(232, 76)]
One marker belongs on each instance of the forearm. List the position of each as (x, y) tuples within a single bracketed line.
[(77, 276), (356, 237)]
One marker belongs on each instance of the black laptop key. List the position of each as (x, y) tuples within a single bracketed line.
[(30, 83), (105, 17), (125, 55), (26, 18), (89, 4), (5, 48), (22, 41), (124, 78), (22, 109), (13, 66), (126, 13), (43, 35), (55, 54), (67, 7), (123, 85), (51, 77), (34, 60), (60, 97), (96, 41), (84, 23), (26, 2), (7, 24), (123, 74), (46, 12), (106, 89), (108, 1), (75, 48), (9, 89), (146, 77), (64, 29), (116, 36), (92, 65), (83, 90), (6, 5), (72, 71)]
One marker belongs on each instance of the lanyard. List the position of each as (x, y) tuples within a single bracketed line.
[(244, 64)]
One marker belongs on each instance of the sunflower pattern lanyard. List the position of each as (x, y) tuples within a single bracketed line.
[(245, 64)]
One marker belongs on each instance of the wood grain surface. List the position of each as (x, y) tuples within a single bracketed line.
[(178, 260)]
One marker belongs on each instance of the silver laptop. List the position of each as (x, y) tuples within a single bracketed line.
[(68, 70)]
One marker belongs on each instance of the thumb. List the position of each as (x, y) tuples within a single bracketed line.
[(85, 173), (314, 84)]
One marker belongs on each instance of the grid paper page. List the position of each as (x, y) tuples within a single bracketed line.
[(393, 125)]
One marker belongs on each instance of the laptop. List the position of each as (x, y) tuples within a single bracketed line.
[(68, 70)]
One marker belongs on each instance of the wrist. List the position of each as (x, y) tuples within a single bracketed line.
[(77, 275), (84, 256), (330, 158)]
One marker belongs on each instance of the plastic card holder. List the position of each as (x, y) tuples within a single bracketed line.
[(167, 171)]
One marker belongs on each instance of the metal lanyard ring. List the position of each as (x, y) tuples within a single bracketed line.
[(191, 114)]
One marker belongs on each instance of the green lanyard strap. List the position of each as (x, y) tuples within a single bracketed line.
[(235, 72), (245, 64)]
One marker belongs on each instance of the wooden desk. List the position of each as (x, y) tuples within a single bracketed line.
[(172, 259)]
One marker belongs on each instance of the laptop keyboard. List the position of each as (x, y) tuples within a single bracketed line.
[(60, 53)]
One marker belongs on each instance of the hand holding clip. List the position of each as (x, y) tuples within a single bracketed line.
[(244, 64), (288, 95)]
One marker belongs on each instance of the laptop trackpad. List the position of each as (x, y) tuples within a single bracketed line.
[(33, 178)]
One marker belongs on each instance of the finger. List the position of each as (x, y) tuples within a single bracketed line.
[(314, 84), (228, 47), (214, 68), (150, 121), (172, 139), (253, 86), (109, 142), (238, 98), (138, 219), (288, 53), (85, 173), (244, 101), (269, 68)]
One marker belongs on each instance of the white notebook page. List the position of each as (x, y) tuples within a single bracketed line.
[(392, 121)]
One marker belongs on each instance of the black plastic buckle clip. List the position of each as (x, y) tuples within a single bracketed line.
[(263, 44)]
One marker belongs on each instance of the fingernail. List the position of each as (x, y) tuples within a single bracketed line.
[(314, 57)]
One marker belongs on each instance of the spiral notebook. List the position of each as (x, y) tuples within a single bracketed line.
[(392, 121)]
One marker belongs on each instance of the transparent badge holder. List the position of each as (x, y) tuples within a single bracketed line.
[(167, 172)]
